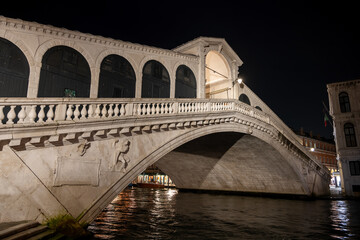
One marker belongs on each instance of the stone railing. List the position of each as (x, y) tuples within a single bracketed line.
[(24, 112), (15, 112)]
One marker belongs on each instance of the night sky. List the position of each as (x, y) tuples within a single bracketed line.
[(290, 49)]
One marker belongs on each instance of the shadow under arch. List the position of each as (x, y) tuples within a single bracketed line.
[(157, 155)]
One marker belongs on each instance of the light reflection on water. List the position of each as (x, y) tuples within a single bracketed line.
[(168, 214)]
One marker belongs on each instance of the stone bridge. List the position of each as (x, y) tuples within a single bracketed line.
[(76, 154)]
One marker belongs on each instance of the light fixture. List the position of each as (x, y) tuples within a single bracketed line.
[(312, 149), (239, 80)]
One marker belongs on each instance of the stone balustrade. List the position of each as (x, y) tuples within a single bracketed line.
[(14, 112), (25, 112)]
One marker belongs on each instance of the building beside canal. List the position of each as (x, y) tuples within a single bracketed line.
[(344, 101), (324, 150)]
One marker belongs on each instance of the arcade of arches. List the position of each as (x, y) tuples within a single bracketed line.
[(66, 73)]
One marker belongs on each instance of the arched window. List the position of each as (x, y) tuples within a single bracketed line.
[(117, 78), (350, 136), (185, 86), (155, 81), (344, 102), (243, 98), (64, 73), (14, 70)]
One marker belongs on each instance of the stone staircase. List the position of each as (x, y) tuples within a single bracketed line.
[(30, 230)]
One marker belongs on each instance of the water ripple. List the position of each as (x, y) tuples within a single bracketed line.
[(168, 214)]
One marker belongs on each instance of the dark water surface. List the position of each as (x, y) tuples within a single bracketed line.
[(141, 213)]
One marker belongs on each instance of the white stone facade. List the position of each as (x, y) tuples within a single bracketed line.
[(348, 153)]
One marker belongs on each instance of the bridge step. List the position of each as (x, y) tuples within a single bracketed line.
[(25, 230)]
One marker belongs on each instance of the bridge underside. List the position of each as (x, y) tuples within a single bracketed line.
[(231, 162)]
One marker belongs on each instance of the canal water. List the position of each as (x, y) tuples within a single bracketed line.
[(142, 213)]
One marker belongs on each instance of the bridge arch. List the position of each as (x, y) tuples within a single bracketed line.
[(43, 48), (117, 78), (156, 80), (185, 82), (275, 163), (64, 72), (14, 70)]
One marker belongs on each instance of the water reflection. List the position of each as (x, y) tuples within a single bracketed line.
[(340, 218), (169, 214)]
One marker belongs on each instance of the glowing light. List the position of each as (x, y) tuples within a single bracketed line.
[(239, 80), (312, 149)]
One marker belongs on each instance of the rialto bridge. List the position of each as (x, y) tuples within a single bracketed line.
[(81, 116)]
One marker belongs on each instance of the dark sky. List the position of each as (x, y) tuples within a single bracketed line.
[(290, 49)]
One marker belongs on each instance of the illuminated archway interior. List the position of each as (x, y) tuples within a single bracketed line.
[(217, 76)]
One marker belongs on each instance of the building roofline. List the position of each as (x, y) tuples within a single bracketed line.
[(356, 81)]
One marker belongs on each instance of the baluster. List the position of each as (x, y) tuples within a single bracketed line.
[(50, 114), (11, 115), (76, 112), (192, 107), (153, 110), (166, 108), (41, 114), (148, 109), (171, 108), (157, 108), (32, 114), (116, 110), (21, 115), (2, 116), (139, 112), (110, 111), (97, 111), (122, 109), (104, 111), (69, 112), (90, 111), (83, 112)]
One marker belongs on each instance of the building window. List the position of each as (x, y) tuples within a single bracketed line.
[(354, 167), (350, 137), (356, 188), (344, 102)]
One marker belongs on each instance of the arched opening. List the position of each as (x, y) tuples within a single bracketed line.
[(217, 76), (155, 81), (344, 102), (185, 83), (64, 73), (259, 108), (14, 70), (117, 78), (245, 99)]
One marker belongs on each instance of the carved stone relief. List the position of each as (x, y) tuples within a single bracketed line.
[(120, 158)]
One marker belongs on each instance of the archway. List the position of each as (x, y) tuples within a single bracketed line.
[(185, 83), (196, 160), (14, 70), (245, 99), (155, 81), (64, 73), (117, 78), (217, 76)]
